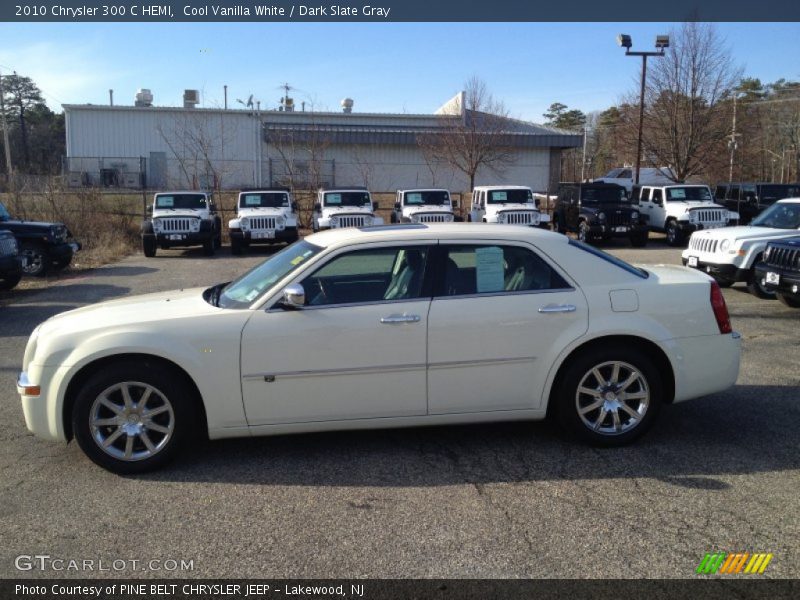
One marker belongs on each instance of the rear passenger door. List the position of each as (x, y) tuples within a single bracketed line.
[(499, 312)]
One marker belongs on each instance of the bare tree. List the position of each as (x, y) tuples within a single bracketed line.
[(687, 116), (474, 135)]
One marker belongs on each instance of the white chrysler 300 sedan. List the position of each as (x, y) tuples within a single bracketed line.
[(383, 327)]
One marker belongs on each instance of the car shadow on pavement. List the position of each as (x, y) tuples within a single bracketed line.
[(749, 429)]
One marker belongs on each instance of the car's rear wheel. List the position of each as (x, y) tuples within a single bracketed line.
[(38, 260), (609, 396), (674, 234), (789, 300), (132, 418), (209, 246), (236, 246)]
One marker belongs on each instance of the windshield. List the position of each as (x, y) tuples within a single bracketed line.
[(420, 198), (779, 216), (264, 200), (4, 216), (593, 195), (242, 292), (183, 201), (681, 194), (515, 196), (346, 199), (771, 193)]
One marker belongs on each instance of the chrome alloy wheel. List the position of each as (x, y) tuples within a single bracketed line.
[(131, 421), (612, 398)]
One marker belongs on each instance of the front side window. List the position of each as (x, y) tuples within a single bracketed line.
[(346, 199), (657, 196), (181, 201), (479, 269), (373, 275)]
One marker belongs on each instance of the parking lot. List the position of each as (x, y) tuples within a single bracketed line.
[(508, 500)]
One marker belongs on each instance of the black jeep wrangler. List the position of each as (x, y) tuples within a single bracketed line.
[(10, 261), (779, 270), (598, 211), (44, 246)]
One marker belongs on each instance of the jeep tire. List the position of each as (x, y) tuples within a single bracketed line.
[(149, 246)]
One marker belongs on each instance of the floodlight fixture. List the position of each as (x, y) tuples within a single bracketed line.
[(624, 40)]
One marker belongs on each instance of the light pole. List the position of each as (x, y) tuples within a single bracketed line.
[(662, 42)]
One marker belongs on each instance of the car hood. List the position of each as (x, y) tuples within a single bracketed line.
[(338, 210), (428, 208), (690, 204), (262, 212), (130, 312), (15, 224), (510, 206), (746, 232), (608, 207)]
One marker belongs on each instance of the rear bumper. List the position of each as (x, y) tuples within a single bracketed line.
[(788, 281), (705, 364)]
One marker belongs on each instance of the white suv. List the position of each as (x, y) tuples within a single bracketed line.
[(730, 254), (344, 207), (264, 216), (182, 219), (506, 204), (680, 210), (423, 206)]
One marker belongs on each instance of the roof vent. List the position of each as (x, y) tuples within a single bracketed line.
[(347, 105), (144, 97), (191, 98)]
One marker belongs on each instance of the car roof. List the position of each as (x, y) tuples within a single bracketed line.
[(184, 192), (263, 189), (436, 231), (425, 190), (502, 187)]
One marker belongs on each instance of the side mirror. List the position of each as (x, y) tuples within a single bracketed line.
[(397, 206), (149, 210), (454, 204), (294, 297), (374, 206), (317, 207)]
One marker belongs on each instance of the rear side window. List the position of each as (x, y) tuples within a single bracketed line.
[(488, 269), (641, 273)]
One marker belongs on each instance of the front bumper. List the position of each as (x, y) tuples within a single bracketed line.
[(608, 231), (287, 234), (726, 271), (181, 239), (781, 280)]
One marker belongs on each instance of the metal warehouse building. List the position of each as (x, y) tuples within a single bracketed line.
[(186, 147)]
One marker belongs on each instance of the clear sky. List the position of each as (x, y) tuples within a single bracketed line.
[(391, 67)]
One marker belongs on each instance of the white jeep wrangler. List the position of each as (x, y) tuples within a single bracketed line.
[(344, 207), (423, 206), (681, 209), (182, 219), (730, 254), (263, 216), (506, 204)]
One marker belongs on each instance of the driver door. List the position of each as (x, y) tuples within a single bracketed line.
[(356, 351)]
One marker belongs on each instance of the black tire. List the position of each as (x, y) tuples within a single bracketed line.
[(469, 218), (38, 261), (169, 390), (236, 246), (149, 247), (393, 218), (218, 241), (209, 246), (639, 240), (556, 224), (9, 283), (579, 375), (583, 233), (61, 264), (756, 287), (675, 236), (789, 300)]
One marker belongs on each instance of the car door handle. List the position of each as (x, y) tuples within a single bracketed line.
[(400, 319), (558, 308)]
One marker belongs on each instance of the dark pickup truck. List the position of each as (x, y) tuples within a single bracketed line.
[(44, 246), (779, 270)]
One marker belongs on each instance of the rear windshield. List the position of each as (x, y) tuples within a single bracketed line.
[(598, 195), (510, 196), (264, 200), (771, 193), (689, 193), (432, 197), (617, 262), (346, 199), (184, 201)]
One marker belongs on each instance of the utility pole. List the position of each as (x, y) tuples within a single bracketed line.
[(732, 143), (6, 145)]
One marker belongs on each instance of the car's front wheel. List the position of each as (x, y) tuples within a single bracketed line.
[(674, 234), (758, 287), (583, 232), (131, 418), (37, 257), (609, 396), (149, 246)]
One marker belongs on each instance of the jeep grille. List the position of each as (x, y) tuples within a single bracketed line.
[(433, 218), (784, 258), (177, 225), (262, 223), (350, 221), (710, 216), (8, 246), (703, 244), (522, 217), (618, 217)]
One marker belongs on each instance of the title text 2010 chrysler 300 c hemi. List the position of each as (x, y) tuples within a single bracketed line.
[(452, 323)]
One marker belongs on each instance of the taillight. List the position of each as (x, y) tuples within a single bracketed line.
[(720, 309)]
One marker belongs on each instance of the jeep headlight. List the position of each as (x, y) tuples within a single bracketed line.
[(635, 215), (244, 223), (195, 225), (334, 221), (157, 225), (415, 218), (501, 218), (279, 222), (601, 216), (368, 220), (536, 219), (724, 245)]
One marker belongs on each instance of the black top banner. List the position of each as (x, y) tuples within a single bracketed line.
[(397, 11)]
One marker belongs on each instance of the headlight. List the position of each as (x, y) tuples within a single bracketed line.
[(157, 225), (280, 221), (334, 221), (536, 219), (14, 246), (501, 218), (415, 218), (195, 225), (724, 245), (601, 216), (635, 215), (244, 223), (367, 220)]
